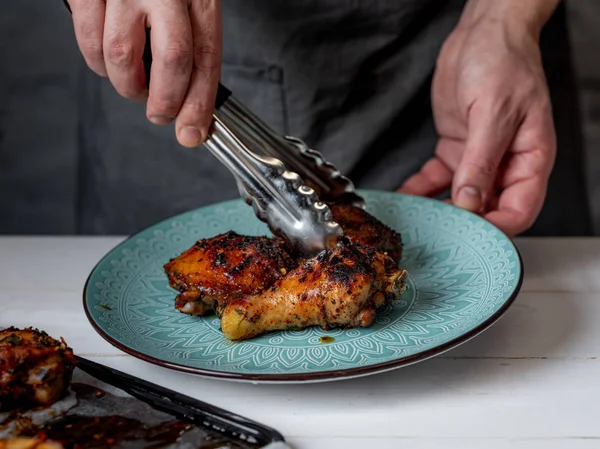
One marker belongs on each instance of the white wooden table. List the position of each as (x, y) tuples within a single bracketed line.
[(531, 381)]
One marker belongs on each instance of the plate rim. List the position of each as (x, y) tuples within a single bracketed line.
[(316, 376)]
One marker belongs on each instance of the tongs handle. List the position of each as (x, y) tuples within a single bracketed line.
[(223, 95)]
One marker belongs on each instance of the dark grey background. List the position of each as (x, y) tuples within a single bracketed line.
[(38, 112)]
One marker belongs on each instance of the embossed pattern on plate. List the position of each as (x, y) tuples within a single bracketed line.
[(464, 273)]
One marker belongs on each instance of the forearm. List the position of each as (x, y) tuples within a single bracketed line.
[(531, 15)]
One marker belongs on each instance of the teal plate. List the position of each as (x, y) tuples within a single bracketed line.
[(463, 275)]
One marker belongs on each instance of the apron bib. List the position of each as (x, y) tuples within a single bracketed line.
[(351, 78)]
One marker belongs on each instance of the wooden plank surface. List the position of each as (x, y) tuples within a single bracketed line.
[(531, 381)]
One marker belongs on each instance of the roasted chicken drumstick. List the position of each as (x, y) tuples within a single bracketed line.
[(342, 287)]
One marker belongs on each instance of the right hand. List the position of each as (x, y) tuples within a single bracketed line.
[(186, 56)]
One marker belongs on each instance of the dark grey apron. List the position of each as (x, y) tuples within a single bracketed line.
[(352, 78)]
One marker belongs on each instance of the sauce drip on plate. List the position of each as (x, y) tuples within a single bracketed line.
[(326, 339)]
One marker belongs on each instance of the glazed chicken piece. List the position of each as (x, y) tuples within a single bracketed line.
[(220, 268), (35, 369), (363, 228), (342, 287)]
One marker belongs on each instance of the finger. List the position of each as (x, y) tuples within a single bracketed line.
[(171, 40), (519, 205), (433, 179), (533, 151), (124, 40), (450, 150), (88, 23), (491, 129), (524, 176), (196, 112)]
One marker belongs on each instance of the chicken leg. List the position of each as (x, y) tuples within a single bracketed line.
[(342, 287)]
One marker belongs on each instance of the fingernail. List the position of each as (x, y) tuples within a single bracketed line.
[(469, 198), (190, 136), (160, 119)]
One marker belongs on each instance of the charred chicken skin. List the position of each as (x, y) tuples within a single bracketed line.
[(220, 268), (363, 228), (342, 287), (216, 270), (257, 284), (35, 369)]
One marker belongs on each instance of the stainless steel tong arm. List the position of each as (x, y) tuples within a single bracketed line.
[(279, 197), (327, 181)]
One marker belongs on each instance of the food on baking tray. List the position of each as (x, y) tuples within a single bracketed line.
[(35, 369), (341, 287), (257, 285), (228, 265), (28, 443)]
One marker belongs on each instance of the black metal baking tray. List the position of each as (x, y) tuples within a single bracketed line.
[(106, 408)]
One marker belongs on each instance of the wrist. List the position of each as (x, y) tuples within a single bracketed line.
[(528, 16)]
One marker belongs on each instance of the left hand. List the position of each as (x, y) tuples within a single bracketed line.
[(493, 114)]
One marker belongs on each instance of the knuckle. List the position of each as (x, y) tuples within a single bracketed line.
[(206, 58), (483, 167), (501, 107), (204, 53), (89, 40), (120, 53), (198, 111), (128, 92), (541, 161), (177, 55), (92, 49), (164, 107)]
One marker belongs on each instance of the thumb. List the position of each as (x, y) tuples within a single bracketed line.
[(489, 135)]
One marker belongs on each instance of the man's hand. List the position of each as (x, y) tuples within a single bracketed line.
[(493, 114), (186, 52)]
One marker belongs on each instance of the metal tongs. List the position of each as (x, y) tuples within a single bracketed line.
[(286, 183)]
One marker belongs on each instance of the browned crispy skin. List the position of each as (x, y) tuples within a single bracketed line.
[(361, 227), (342, 287), (217, 269), (35, 369)]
